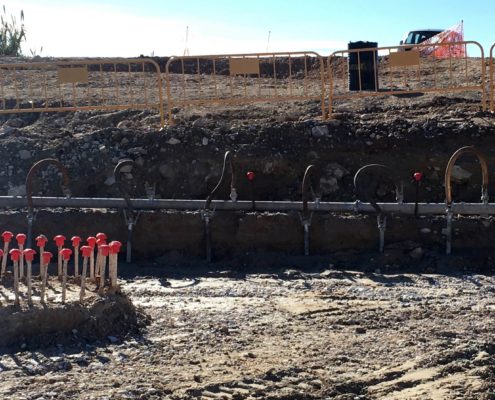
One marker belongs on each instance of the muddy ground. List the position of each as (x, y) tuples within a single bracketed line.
[(284, 334)]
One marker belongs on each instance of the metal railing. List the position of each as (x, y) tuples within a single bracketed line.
[(400, 70), (104, 84), (233, 79)]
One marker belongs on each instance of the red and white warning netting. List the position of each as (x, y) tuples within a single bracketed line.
[(454, 35)]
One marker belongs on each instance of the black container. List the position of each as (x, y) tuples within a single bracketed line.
[(367, 62)]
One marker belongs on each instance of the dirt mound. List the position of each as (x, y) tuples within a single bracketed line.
[(41, 326)]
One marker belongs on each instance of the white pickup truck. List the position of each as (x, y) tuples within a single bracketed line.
[(416, 37)]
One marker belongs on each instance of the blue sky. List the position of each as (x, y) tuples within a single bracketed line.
[(130, 28)]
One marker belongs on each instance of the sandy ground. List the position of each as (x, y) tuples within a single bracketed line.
[(335, 334)]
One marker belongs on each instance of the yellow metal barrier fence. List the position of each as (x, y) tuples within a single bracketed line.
[(105, 84), (395, 70), (232, 79), (492, 79)]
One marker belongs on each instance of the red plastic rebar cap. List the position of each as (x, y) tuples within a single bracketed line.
[(418, 176), (59, 240), (41, 241), (7, 236), (29, 254), (101, 235), (76, 241), (105, 249), (91, 241), (100, 242), (15, 254), (86, 251), (21, 239), (115, 247), (250, 175), (47, 256), (66, 253)]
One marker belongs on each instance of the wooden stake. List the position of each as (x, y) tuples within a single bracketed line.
[(97, 264), (59, 241), (104, 251), (16, 282), (64, 280), (7, 237), (29, 255), (76, 240), (91, 244), (86, 251), (4, 259), (65, 255), (46, 257), (41, 242), (59, 263), (21, 240), (15, 254), (112, 263)]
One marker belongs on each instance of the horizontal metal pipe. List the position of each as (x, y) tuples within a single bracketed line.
[(245, 205)]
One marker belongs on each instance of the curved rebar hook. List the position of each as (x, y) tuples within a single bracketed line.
[(207, 214), (129, 216), (29, 187), (448, 187), (307, 186), (450, 166), (147, 187), (366, 193), (228, 158), (381, 219), (36, 166)]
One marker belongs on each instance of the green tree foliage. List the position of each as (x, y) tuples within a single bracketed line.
[(11, 34)]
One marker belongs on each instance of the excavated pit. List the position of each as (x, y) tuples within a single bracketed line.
[(184, 161), (261, 320)]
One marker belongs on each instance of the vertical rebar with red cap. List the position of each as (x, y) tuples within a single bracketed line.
[(46, 256), (7, 237), (41, 242), (15, 255), (59, 241), (21, 240), (76, 241), (250, 175), (29, 256), (91, 240), (99, 242), (113, 263), (104, 250), (65, 255), (86, 253), (417, 178)]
